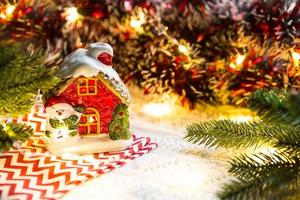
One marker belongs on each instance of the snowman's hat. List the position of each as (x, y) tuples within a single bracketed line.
[(54, 100)]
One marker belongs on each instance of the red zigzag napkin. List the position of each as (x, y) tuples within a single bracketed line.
[(33, 173)]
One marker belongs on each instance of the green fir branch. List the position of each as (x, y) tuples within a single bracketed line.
[(8, 52), (11, 132), (274, 106), (263, 176), (288, 138), (21, 79), (22, 75), (261, 165), (227, 133), (24, 68), (259, 176), (238, 190), (264, 100), (245, 190), (19, 100)]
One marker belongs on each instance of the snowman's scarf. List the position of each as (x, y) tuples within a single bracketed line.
[(70, 123)]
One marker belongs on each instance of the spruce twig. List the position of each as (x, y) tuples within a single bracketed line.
[(21, 77), (274, 106), (227, 133), (22, 74), (11, 132), (259, 176)]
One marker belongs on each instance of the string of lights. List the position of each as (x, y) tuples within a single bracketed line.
[(221, 57)]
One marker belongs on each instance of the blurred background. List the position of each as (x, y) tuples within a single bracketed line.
[(183, 61), (190, 53)]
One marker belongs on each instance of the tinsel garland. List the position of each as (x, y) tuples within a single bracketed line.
[(202, 50)]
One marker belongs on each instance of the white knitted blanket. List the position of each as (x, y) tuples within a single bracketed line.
[(175, 170)]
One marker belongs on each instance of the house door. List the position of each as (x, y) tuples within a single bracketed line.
[(89, 123)]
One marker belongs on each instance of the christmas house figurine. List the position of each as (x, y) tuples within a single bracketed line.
[(88, 113)]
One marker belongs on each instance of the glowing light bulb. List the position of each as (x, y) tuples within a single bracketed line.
[(183, 49), (232, 65), (157, 109), (8, 12), (240, 59), (296, 57), (4, 127), (137, 21), (238, 62), (71, 14), (10, 9)]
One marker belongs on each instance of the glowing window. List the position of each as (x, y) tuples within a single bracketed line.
[(89, 122), (87, 86)]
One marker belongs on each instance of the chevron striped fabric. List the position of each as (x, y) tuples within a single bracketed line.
[(33, 173)]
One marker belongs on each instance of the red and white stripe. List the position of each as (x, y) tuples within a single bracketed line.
[(33, 173), (26, 175)]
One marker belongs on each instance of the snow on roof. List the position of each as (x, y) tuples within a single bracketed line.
[(81, 63)]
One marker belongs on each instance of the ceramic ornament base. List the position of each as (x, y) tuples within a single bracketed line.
[(32, 172), (85, 145)]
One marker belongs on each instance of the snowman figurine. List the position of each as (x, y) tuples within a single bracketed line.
[(62, 120)]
